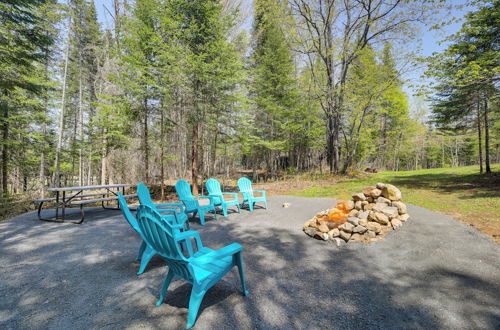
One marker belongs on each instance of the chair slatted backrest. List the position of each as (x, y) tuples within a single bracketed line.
[(214, 188), (245, 185), (127, 214), (143, 194), (161, 237), (183, 189)]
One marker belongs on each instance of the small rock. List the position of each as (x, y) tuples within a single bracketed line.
[(378, 207), (404, 217), (391, 192), (375, 193), (286, 205), (358, 197), (322, 214), (370, 200), (359, 229), (347, 227), (356, 238), (381, 218), (367, 191), (345, 236), (364, 203), (353, 213), (353, 221), (358, 206), (363, 215), (401, 207), (331, 224), (349, 205), (368, 207), (383, 200), (339, 242), (323, 227), (322, 236), (380, 185), (363, 222), (390, 211), (334, 233), (371, 216), (310, 231), (371, 234), (373, 226), (395, 223)]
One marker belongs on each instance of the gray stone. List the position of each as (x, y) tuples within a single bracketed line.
[(322, 236), (339, 242), (380, 185), (373, 226), (404, 217), (356, 238), (363, 222), (401, 207), (390, 211), (345, 236), (359, 197), (353, 221), (359, 229), (391, 192), (310, 231), (347, 227), (371, 234), (383, 200), (363, 215), (396, 223), (353, 213), (358, 206), (381, 218), (334, 233), (376, 193)]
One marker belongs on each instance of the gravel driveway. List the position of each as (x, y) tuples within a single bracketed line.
[(434, 272)]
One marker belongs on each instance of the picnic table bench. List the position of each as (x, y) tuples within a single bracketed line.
[(78, 198)]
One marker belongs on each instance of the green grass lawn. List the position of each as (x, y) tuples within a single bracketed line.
[(460, 192)]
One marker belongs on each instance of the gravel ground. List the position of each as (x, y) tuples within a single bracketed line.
[(434, 272)]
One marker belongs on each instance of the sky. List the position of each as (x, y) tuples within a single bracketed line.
[(429, 40)]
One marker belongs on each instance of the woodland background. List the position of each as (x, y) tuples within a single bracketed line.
[(183, 89)]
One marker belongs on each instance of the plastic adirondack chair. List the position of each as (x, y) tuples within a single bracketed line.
[(203, 267), (214, 190), (146, 252), (245, 186), (170, 208), (192, 205)]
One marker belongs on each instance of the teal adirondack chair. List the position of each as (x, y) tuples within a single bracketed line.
[(214, 190), (192, 205), (170, 208), (202, 267), (245, 186), (146, 252)]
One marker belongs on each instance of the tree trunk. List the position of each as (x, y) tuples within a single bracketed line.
[(194, 159), (162, 156), (103, 161), (145, 142), (57, 175), (479, 138), (80, 130), (486, 137), (5, 152)]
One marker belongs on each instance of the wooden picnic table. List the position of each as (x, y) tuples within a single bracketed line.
[(76, 197)]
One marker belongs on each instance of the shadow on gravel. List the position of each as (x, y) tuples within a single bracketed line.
[(63, 278)]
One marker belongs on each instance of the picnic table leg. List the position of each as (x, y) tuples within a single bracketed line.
[(64, 205), (57, 204)]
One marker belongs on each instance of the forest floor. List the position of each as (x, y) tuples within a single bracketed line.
[(459, 192)]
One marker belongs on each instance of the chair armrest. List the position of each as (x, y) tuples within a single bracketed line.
[(226, 251), (263, 192), (232, 194), (173, 205)]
